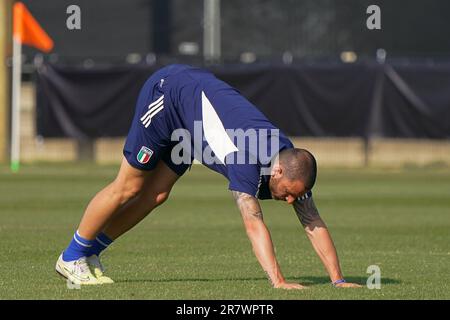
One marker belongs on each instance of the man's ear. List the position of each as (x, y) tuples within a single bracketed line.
[(277, 171)]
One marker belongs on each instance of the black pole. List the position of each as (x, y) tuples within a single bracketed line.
[(161, 26), (374, 127)]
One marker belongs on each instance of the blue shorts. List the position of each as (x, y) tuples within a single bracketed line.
[(148, 139)]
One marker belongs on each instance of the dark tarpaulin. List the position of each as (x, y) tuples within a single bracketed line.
[(86, 103), (416, 102), (339, 100), (310, 100)]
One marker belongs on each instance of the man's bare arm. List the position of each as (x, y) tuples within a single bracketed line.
[(260, 239), (320, 238)]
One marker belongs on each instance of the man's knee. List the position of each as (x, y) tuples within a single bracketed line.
[(161, 197), (126, 190)]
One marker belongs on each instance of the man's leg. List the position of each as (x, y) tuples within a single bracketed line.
[(102, 207), (154, 192), (73, 262), (127, 185)]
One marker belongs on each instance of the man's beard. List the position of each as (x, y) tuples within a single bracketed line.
[(271, 189)]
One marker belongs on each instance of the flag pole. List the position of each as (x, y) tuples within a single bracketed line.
[(15, 108), (26, 30)]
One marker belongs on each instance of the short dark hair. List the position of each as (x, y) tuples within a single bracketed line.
[(299, 164)]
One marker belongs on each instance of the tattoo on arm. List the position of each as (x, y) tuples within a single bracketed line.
[(248, 205), (262, 244), (306, 211)]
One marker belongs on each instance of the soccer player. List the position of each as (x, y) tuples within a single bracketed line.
[(184, 113)]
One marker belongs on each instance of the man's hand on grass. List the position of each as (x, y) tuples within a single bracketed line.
[(348, 285), (289, 286)]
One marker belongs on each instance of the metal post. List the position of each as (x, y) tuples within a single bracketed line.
[(374, 127), (15, 109), (162, 33), (5, 53), (85, 150), (211, 31)]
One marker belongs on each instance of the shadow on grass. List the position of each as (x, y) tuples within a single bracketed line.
[(190, 280), (308, 280), (325, 280)]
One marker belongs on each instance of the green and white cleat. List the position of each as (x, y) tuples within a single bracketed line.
[(97, 269), (76, 271)]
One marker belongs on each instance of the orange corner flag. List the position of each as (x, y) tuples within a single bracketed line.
[(27, 30)]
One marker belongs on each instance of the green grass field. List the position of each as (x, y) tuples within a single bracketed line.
[(195, 247)]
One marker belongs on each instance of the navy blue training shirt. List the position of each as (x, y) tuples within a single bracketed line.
[(214, 122)]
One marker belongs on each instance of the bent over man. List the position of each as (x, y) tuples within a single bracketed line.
[(184, 113)]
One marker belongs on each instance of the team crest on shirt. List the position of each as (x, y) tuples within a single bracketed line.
[(144, 155)]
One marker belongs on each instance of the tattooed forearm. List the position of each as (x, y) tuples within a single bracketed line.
[(306, 211), (259, 236), (248, 205)]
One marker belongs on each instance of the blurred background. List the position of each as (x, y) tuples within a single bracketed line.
[(355, 97), (373, 105)]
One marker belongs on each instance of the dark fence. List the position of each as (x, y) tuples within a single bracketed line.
[(111, 29), (333, 100)]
